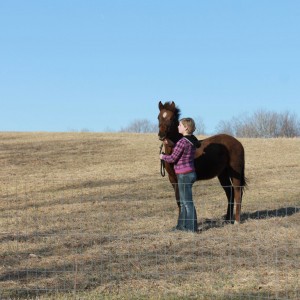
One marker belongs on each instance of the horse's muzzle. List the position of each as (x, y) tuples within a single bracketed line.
[(162, 136)]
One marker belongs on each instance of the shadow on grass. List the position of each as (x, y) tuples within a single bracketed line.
[(206, 224), (274, 213)]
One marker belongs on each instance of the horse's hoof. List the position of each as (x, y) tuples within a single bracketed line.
[(236, 223), (228, 222)]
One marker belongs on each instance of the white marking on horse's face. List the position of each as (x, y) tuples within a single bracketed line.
[(164, 114)]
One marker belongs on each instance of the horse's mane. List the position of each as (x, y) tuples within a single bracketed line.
[(176, 110)]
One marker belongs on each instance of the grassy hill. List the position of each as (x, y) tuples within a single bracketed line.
[(88, 215)]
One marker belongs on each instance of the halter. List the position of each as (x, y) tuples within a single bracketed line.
[(162, 162)]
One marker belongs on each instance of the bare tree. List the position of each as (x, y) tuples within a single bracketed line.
[(225, 127), (200, 127), (264, 124), (289, 125), (140, 126)]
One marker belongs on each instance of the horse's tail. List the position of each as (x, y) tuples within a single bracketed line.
[(244, 179)]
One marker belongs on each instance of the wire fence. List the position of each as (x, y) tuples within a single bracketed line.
[(106, 239)]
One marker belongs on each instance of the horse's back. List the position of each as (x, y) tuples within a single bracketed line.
[(220, 141), (217, 153)]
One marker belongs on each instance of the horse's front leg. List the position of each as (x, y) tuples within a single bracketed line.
[(174, 182), (176, 190)]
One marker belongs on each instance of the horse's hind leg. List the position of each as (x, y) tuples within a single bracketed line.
[(238, 194), (229, 191)]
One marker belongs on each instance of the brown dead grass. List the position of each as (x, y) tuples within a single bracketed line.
[(87, 216)]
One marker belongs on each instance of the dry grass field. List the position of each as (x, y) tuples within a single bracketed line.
[(88, 216)]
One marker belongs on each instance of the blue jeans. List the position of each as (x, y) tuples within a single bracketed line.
[(187, 219)]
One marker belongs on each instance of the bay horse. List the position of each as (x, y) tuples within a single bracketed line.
[(219, 156)]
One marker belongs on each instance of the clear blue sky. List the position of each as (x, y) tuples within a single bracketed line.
[(101, 64)]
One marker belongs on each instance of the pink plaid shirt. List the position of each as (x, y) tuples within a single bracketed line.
[(182, 157)]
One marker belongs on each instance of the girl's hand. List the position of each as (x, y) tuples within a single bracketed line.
[(161, 156)]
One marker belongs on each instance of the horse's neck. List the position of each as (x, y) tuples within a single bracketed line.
[(174, 139), (168, 149)]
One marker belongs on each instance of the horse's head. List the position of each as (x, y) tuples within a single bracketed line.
[(167, 119)]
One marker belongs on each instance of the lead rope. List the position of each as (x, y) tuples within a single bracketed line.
[(162, 162)]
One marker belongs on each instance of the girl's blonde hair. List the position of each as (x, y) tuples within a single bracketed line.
[(189, 123)]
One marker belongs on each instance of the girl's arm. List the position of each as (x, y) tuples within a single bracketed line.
[(174, 157)]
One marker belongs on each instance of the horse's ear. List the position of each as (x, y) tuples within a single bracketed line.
[(173, 106), (160, 105)]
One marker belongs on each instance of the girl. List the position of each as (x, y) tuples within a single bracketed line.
[(183, 159)]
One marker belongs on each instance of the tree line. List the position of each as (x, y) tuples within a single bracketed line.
[(261, 124)]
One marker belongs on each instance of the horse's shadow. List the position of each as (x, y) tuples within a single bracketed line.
[(206, 224)]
